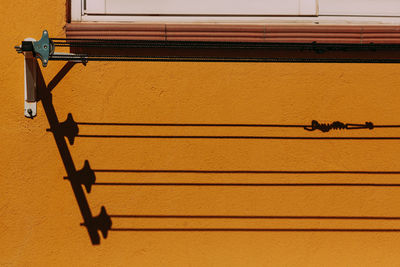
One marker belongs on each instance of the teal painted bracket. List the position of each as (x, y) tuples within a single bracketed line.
[(41, 49)]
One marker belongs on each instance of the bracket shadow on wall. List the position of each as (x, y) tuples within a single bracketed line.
[(102, 50)]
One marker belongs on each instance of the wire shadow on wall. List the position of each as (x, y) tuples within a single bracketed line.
[(85, 177)]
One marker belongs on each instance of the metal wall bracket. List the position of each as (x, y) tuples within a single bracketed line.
[(42, 49), (33, 49), (30, 83)]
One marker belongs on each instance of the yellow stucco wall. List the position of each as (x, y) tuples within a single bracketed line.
[(39, 216)]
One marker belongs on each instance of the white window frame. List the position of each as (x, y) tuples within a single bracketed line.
[(97, 12), (310, 14)]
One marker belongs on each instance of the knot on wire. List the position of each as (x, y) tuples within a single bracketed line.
[(337, 125)]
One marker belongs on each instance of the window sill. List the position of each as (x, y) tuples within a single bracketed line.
[(340, 34)]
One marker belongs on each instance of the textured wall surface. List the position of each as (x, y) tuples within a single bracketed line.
[(39, 216)]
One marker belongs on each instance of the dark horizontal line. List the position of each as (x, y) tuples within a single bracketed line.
[(239, 15), (214, 125), (192, 124), (236, 137), (250, 184), (120, 43), (249, 230), (195, 15), (215, 59), (246, 171), (256, 217), (361, 16), (387, 126)]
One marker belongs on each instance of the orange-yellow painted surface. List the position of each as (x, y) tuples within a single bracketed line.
[(39, 216)]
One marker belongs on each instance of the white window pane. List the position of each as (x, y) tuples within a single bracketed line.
[(359, 7), (211, 7), (94, 6)]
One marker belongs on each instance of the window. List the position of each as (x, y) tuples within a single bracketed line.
[(317, 11), (103, 10), (322, 21), (201, 8)]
